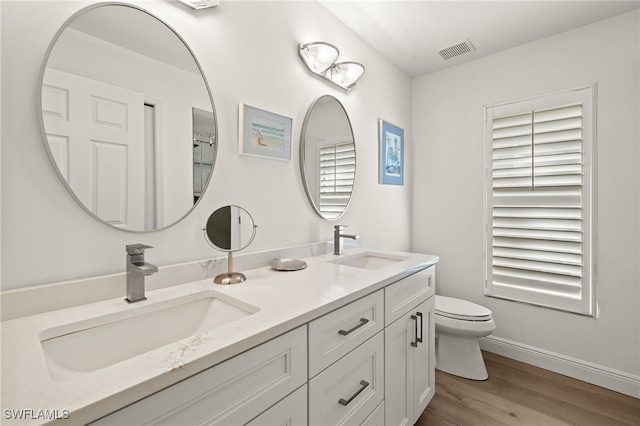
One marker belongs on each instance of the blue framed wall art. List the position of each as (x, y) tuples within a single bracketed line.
[(391, 169)]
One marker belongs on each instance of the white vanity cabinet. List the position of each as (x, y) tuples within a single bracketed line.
[(369, 363), (409, 347), (233, 392)]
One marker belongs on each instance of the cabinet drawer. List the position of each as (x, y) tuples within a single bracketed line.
[(402, 296), (351, 389), (376, 418), (233, 392), (291, 411), (337, 333)]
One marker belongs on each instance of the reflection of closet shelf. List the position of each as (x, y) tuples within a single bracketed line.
[(207, 138), (204, 149)]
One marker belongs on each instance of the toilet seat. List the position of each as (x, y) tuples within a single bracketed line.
[(464, 310)]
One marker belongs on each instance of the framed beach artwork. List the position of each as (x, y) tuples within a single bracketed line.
[(391, 154), (264, 134)]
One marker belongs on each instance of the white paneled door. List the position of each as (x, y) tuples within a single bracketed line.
[(95, 133)]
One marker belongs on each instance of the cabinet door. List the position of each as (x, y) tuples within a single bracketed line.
[(409, 365), (424, 384), (398, 378)]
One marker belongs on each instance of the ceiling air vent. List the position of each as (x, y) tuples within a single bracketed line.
[(456, 49)]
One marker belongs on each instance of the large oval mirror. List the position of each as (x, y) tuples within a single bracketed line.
[(127, 117), (328, 157)]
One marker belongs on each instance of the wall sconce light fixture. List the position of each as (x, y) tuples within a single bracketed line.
[(200, 4), (321, 59)]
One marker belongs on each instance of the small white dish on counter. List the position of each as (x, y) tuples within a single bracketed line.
[(282, 264)]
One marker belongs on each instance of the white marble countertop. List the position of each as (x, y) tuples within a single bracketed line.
[(285, 300)]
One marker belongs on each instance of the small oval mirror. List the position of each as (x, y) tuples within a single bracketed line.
[(230, 228), (328, 157)]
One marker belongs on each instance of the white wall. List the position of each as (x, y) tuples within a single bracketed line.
[(248, 53), (448, 186)]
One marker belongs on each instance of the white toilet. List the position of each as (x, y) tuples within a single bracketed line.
[(459, 325)]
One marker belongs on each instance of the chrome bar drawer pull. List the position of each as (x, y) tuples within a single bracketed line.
[(419, 339), (363, 321), (415, 318), (346, 402)]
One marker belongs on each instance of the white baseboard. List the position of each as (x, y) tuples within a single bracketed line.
[(595, 374)]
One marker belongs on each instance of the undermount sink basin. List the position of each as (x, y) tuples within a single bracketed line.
[(370, 260), (95, 343)]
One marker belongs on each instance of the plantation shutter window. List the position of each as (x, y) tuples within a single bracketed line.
[(539, 201), (337, 176)]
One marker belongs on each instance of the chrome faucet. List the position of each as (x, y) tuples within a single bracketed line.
[(338, 244), (137, 269)]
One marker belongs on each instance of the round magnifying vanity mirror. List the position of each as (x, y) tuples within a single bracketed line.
[(328, 157), (127, 117), (230, 229)]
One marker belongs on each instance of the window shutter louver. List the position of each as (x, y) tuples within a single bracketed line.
[(337, 175), (539, 201)]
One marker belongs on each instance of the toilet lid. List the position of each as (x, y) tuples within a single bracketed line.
[(461, 309)]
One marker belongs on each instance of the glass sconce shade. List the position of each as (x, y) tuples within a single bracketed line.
[(200, 4), (318, 56), (345, 74)]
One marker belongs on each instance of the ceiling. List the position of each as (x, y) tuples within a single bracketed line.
[(137, 31), (410, 33)]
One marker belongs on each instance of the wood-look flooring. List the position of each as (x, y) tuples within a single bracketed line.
[(521, 394)]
